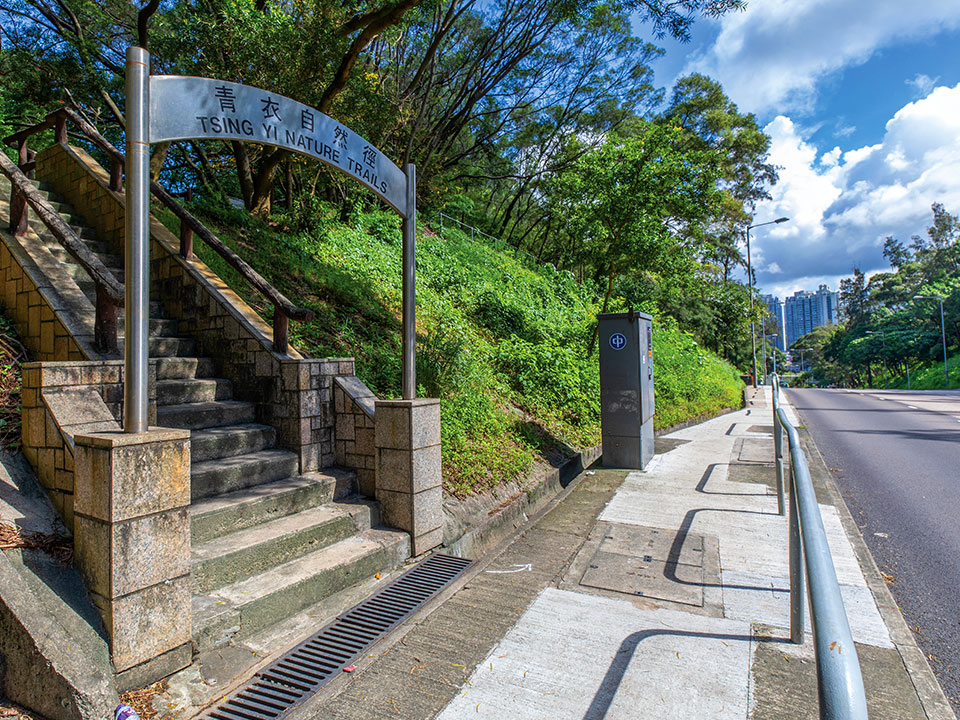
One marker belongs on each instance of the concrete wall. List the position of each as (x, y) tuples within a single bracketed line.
[(62, 399)]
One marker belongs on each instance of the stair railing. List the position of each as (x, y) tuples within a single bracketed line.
[(283, 309), (110, 292), (839, 680)]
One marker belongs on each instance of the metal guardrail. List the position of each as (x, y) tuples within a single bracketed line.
[(498, 243), (284, 309), (839, 680)]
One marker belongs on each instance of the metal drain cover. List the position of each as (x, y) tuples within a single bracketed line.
[(648, 562), (300, 673)]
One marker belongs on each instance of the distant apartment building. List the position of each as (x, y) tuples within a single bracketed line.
[(805, 310), (775, 308)]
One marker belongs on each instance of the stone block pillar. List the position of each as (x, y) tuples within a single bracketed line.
[(132, 544), (408, 477)]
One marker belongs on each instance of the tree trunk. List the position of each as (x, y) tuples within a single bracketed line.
[(606, 301), (157, 159)]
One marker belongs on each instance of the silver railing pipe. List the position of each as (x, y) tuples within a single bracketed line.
[(409, 229), (839, 680), (136, 352)]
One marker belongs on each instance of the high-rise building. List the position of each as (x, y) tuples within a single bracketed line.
[(775, 308), (805, 310)]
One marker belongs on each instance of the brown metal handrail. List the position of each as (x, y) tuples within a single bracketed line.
[(283, 309), (110, 292)]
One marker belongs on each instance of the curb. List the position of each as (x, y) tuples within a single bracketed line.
[(929, 692)]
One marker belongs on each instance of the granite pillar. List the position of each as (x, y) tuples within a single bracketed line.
[(132, 544), (409, 480)]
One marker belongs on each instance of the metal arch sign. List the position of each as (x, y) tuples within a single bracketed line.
[(173, 107), (183, 107)]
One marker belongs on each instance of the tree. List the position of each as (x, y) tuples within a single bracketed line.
[(633, 199)]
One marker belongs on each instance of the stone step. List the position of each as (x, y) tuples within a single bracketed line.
[(198, 416), (222, 442), (175, 367), (242, 554), (248, 606), (172, 347), (192, 390), (159, 327), (213, 477), (241, 509), (88, 235)]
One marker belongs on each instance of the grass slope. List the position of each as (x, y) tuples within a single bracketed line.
[(927, 376), (501, 340)]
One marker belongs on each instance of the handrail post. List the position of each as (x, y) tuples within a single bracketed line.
[(186, 234), (19, 213), (60, 129), (796, 569), (105, 322), (116, 175), (281, 330), (778, 449), (795, 547)]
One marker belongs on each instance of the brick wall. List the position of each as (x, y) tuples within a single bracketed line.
[(292, 393), (39, 312), (354, 444)]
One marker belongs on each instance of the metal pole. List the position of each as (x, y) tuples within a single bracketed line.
[(409, 286), (137, 254), (840, 681), (943, 334), (778, 450), (907, 361), (883, 344), (795, 546), (763, 354), (753, 332)]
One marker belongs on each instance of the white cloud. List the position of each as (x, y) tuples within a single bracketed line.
[(843, 204), (923, 84), (845, 131), (771, 55)]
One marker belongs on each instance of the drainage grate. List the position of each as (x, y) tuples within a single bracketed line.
[(307, 668)]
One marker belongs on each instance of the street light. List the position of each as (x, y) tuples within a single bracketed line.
[(801, 356), (773, 353), (943, 334), (883, 341), (753, 333)]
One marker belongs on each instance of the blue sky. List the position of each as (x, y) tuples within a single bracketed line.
[(862, 100)]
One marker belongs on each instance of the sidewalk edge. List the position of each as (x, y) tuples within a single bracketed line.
[(931, 696)]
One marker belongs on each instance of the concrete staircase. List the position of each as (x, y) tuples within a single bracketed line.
[(267, 542)]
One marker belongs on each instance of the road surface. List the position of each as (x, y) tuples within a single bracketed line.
[(895, 455)]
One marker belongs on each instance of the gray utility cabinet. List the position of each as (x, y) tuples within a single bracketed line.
[(626, 389)]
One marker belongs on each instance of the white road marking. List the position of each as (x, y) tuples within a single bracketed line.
[(516, 568)]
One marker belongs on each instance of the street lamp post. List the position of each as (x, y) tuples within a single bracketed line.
[(883, 342), (774, 353), (801, 357), (943, 335), (753, 332)]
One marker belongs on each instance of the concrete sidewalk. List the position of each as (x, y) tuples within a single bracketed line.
[(654, 594)]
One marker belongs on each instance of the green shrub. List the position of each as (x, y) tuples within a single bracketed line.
[(501, 341)]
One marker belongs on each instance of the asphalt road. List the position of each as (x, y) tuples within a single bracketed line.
[(896, 458)]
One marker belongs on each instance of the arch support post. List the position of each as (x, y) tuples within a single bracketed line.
[(409, 286), (137, 251)]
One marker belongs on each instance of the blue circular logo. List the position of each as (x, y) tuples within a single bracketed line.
[(618, 341)]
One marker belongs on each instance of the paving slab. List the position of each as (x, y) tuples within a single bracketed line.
[(660, 593)]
